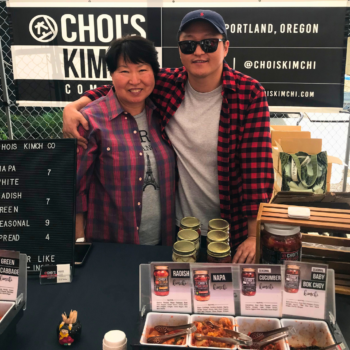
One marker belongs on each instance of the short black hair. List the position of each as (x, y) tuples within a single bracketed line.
[(134, 49)]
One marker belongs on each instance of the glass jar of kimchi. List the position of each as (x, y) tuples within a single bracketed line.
[(248, 282), (201, 285), (292, 279), (191, 223), (161, 280), (280, 243)]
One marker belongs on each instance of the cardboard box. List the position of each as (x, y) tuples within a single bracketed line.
[(278, 181), (276, 158), (285, 127), (279, 135), (310, 146)]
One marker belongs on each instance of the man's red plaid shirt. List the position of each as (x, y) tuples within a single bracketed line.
[(245, 168)]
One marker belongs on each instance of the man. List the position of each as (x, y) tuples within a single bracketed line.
[(217, 120)]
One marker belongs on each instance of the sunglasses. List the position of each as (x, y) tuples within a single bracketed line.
[(188, 47)]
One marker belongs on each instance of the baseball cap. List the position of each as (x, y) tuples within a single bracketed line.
[(207, 15)]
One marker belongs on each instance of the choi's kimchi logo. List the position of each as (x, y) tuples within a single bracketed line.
[(43, 28)]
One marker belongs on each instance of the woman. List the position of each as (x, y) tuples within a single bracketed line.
[(126, 176)]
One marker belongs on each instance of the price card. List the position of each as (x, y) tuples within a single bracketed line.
[(9, 272), (213, 289), (261, 290), (171, 287), (304, 289)]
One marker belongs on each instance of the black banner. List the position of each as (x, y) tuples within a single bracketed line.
[(297, 53)]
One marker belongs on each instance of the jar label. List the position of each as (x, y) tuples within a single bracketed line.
[(292, 281), (270, 256), (161, 283), (249, 284), (201, 287)]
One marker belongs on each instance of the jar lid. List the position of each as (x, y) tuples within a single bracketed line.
[(293, 267), (218, 249), (217, 236), (200, 272), (218, 224), (184, 248), (282, 230), (190, 222), (115, 338), (248, 269), (161, 267), (188, 235)]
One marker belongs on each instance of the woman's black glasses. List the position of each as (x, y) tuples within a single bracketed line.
[(188, 47)]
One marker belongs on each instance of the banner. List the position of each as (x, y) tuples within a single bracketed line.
[(296, 51)]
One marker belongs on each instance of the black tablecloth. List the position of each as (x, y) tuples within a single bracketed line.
[(105, 292)]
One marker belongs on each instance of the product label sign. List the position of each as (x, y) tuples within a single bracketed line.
[(261, 288), (212, 289), (304, 291), (50, 274), (9, 272), (171, 287)]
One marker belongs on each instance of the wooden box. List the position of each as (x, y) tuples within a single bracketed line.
[(335, 251)]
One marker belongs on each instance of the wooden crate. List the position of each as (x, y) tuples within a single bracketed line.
[(321, 219)]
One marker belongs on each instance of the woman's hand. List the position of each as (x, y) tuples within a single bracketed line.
[(72, 118)]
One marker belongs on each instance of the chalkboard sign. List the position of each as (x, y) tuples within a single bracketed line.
[(37, 200)]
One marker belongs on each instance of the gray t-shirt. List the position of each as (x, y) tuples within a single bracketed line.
[(193, 132), (149, 232)]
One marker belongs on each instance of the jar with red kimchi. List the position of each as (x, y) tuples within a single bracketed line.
[(201, 285), (280, 243), (161, 280), (292, 280), (248, 282)]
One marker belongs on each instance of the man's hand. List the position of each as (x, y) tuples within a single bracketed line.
[(72, 118), (246, 252)]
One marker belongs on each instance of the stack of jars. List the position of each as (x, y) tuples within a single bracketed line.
[(186, 249), (218, 241)]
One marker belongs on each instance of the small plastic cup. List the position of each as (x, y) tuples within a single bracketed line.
[(114, 340)]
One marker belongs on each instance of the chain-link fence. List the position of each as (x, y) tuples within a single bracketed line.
[(27, 122), (44, 123), (332, 129)]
